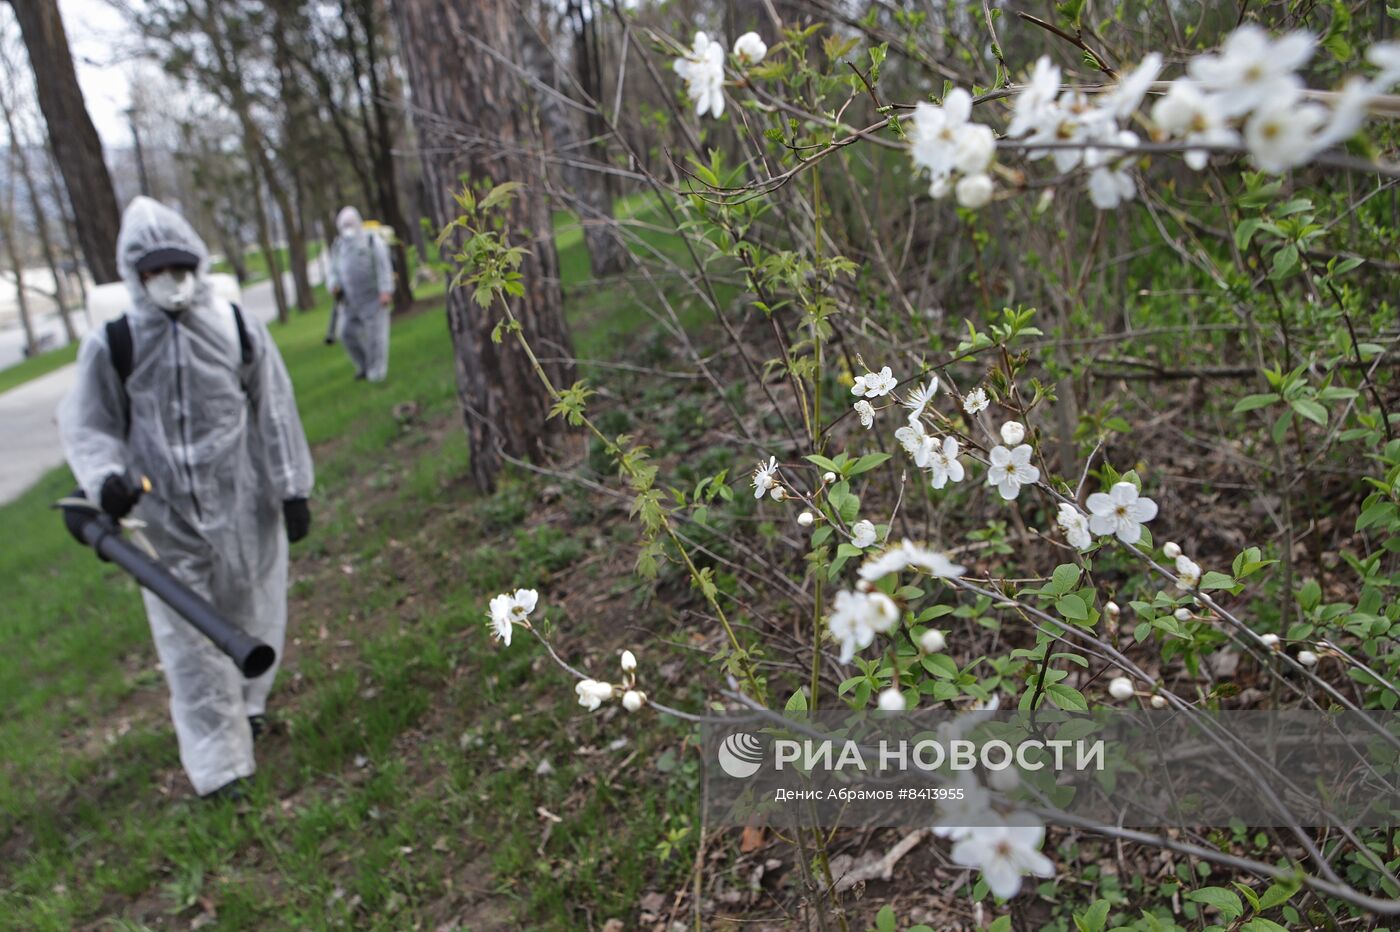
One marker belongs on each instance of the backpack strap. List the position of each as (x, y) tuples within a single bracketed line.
[(245, 342), (119, 347)]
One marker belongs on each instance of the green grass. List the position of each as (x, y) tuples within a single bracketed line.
[(404, 790), (35, 366)]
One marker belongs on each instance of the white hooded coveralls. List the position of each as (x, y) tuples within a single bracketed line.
[(223, 446), (360, 268)]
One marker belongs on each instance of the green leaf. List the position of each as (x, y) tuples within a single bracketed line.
[(1073, 608), (1377, 511), (1311, 410), (884, 919), (1094, 919), (1260, 924), (1067, 697), (867, 463), (1214, 580), (1250, 402), (797, 702), (1000, 924), (1278, 894), (1226, 901), (1065, 578)]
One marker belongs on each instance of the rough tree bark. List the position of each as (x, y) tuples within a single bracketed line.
[(75, 143), (7, 236), (503, 403)]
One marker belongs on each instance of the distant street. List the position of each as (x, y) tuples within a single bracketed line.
[(27, 412)]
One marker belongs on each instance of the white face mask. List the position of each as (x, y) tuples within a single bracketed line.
[(173, 289), (350, 229)]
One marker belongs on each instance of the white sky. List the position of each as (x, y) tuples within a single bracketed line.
[(105, 51)]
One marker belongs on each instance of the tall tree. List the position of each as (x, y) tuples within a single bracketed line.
[(72, 135), (503, 403)]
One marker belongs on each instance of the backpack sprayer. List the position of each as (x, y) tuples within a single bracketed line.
[(94, 528)]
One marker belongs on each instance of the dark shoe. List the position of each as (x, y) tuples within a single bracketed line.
[(234, 791), (359, 376), (330, 341), (259, 725)]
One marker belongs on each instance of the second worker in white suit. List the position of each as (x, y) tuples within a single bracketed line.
[(361, 277)]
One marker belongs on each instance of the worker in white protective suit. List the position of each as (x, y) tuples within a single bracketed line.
[(190, 393), (361, 278)]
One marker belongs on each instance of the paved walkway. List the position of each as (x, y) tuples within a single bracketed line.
[(31, 447)]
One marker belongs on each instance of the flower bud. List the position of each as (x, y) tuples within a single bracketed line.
[(779, 493), (1012, 433), (629, 661), (805, 519), (1120, 687), (932, 641), (1158, 701), (1171, 550), (632, 700), (1307, 658), (1182, 614), (1270, 641), (1111, 609), (974, 191), (892, 700), (829, 477)]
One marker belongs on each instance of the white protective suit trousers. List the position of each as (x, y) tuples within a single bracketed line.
[(210, 700), (367, 343)]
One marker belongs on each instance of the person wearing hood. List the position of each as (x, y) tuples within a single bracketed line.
[(193, 395), (361, 278)]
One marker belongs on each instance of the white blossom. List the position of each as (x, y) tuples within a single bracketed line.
[(749, 48), (1349, 110), (943, 465), (702, 68), (1011, 469), (1111, 182), (828, 477), (1012, 433), (508, 609), (1307, 658), (1036, 102), (763, 478), (905, 555), (1283, 134), (1075, 527), (1074, 119), (932, 641), (955, 812), (1126, 96), (1182, 614), (1004, 852), (891, 700), (856, 617), (944, 140), (862, 534), (1386, 57), (1120, 687), (915, 442), (1121, 511), (629, 661), (974, 191), (1252, 69), (866, 413), (805, 519), (975, 401), (1158, 701), (1188, 574), (1004, 780), (632, 700), (1187, 114), (1171, 550), (874, 384), (920, 398), (1270, 641), (592, 693), (1111, 609)]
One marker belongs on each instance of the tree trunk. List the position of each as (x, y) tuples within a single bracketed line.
[(41, 223), (279, 295), (503, 403), (296, 250), (295, 151), (607, 254), (7, 233), (76, 146)]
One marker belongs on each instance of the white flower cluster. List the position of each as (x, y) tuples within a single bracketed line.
[(702, 68), (1044, 114), (856, 617), (593, 693), (945, 142)]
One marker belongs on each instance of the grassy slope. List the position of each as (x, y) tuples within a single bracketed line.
[(36, 366), (404, 786), (257, 264)]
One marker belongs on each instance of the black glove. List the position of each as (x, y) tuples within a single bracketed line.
[(298, 518), (119, 495)]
